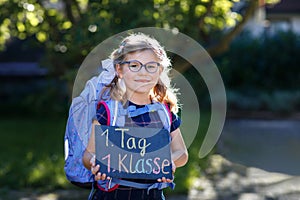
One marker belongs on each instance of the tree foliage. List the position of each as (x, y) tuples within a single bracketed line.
[(69, 29)]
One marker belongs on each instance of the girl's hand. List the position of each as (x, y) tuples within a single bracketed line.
[(167, 180), (164, 180), (95, 170)]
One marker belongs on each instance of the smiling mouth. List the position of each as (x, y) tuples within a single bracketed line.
[(142, 81)]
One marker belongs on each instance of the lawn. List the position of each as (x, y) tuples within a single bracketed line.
[(32, 155), (32, 152)]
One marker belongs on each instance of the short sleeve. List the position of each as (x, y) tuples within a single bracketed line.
[(101, 114), (176, 122)]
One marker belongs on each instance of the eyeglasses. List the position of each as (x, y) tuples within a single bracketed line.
[(135, 66)]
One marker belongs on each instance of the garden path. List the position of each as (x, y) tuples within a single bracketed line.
[(260, 161)]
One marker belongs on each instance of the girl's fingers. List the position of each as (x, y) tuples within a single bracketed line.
[(97, 176), (164, 180), (95, 169), (103, 177), (93, 160), (100, 176)]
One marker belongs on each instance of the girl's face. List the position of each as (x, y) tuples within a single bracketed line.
[(141, 81)]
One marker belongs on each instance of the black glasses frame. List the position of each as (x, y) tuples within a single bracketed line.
[(133, 69)]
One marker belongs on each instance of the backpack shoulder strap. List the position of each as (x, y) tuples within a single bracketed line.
[(165, 116), (104, 104), (115, 112), (168, 112)]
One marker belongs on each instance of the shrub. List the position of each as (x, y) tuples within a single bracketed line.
[(262, 73)]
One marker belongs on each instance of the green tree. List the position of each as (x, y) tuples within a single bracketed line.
[(69, 29)]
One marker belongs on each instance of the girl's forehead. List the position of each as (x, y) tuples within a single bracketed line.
[(142, 55)]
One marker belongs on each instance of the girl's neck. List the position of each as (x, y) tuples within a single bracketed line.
[(139, 99)]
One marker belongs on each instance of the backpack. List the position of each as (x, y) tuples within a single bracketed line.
[(79, 125)]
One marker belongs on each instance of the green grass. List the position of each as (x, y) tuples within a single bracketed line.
[(31, 152), (32, 155)]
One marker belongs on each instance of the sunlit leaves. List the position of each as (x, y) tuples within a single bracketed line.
[(20, 27), (3, 1), (171, 3), (200, 10), (272, 1), (73, 28), (104, 14), (83, 4), (22, 36), (52, 12), (41, 36), (184, 4), (159, 1), (219, 16), (20, 16), (32, 18), (215, 15), (66, 25), (179, 17), (29, 7), (105, 2), (222, 6), (146, 13), (156, 15), (4, 32), (233, 18), (23, 19)]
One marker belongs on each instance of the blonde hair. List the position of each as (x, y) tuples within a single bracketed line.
[(162, 92)]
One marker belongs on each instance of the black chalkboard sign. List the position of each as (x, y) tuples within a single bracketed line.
[(133, 152)]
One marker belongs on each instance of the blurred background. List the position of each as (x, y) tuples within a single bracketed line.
[(254, 43)]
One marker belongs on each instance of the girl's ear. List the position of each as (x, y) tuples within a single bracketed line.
[(119, 70), (160, 70)]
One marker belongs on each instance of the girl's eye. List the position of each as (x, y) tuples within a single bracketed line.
[(151, 66), (133, 65)]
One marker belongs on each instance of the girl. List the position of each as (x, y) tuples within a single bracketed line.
[(141, 69)]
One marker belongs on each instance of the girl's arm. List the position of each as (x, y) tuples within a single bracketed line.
[(179, 152), (89, 158), (90, 149)]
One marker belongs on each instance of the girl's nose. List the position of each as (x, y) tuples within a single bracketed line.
[(143, 70)]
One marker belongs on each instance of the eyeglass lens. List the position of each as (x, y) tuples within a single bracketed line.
[(136, 66)]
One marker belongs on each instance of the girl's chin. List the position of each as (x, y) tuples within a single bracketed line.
[(141, 90)]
